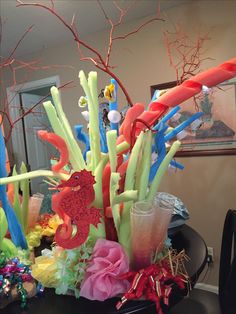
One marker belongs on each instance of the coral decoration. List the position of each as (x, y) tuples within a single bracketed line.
[(102, 280), (73, 206), (184, 52)]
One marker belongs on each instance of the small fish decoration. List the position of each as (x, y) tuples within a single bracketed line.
[(109, 92)]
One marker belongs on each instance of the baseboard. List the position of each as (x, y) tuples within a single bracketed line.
[(204, 286)]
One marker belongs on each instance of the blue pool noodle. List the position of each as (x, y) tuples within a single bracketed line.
[(14, 226)]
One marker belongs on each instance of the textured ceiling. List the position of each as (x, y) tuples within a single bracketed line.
[(48, 31)]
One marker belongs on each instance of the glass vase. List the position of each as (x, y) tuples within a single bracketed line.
[(163, 206), (149, 225), (142, 216)]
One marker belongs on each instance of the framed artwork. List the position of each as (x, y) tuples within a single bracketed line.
[(217, 134)]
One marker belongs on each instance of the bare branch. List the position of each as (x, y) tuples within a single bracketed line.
[(72, 23), (20, 40), (0, 29), (104, 12), (52, 4), (138, 28)]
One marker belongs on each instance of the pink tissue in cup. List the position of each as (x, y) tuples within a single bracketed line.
[(102, 279)]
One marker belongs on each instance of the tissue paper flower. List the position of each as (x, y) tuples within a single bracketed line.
[(108, 263), (45, 269)]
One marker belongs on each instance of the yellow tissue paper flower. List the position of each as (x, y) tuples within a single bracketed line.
[(45, 269), (53, 223), (34, 237), (35, 234)]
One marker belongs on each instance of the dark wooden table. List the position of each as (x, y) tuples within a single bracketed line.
[(50, 303)]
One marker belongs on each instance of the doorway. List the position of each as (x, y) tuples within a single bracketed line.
[(27, 147)]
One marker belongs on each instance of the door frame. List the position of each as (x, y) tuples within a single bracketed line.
[(13, 96)]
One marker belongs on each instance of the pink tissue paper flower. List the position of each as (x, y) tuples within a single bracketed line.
[(108, 262)]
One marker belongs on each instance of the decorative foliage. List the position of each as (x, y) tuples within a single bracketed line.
[(72, 267), (62, 269)]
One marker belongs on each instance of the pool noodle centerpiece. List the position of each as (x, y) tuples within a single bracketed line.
[(125, 173)]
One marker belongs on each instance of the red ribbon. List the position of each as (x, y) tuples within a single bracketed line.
[(153, 283)]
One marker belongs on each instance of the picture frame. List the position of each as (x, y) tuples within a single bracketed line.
[(217, 135)]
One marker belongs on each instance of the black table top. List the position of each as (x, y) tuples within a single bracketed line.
[(50, 303)]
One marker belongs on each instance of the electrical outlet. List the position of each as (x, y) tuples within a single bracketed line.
[(210, 255)]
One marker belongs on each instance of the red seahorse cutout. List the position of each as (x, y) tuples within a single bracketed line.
[(75, 202)]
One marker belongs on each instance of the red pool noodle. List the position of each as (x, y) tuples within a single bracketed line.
[(60, 144)]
